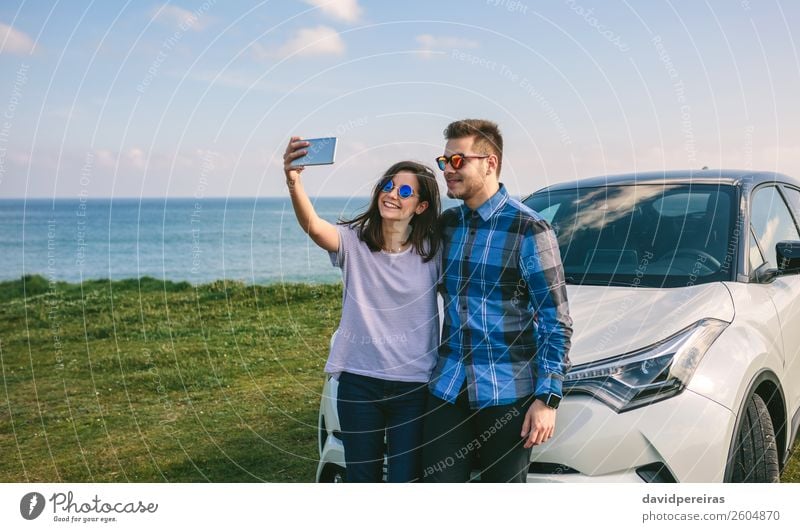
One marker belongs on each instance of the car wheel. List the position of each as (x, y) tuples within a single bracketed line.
[(332, 473), (755, 454)]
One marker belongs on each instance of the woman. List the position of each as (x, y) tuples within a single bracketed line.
[(385, 347)]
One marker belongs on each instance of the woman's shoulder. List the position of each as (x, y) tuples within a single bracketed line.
[(352, 236), (349, 230)]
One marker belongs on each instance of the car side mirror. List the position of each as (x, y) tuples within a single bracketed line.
[(788, 255)]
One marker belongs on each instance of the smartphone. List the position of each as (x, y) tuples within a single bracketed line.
[(320, 151)]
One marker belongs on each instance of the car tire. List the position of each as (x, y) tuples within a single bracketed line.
[(755, 453), (332, 473)]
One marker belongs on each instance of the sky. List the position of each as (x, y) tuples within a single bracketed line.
[(198, 98)]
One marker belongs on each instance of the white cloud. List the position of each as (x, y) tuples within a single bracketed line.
[(430, 45), (345, 10), (20, 158), (307, 42), (230, 78), (14, 41), (136, 158), (104, 159), (182, 18), (69, 113), (260, 52), (250, 82)]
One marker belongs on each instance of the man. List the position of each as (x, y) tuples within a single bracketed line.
[(506, 335)]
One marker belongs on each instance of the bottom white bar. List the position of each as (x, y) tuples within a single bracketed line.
[(121, 507)]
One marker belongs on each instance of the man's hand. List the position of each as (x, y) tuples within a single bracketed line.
[(539, 424)]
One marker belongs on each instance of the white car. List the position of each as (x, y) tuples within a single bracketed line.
[(685, 296)]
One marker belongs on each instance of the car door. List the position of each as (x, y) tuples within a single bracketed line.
[(793, 349), (771, 222)]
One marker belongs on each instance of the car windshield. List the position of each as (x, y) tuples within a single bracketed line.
[(642, 235)]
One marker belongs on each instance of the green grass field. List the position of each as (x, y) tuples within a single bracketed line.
[(147, 381)]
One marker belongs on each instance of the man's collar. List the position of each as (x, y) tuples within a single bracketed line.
[(490, 206)]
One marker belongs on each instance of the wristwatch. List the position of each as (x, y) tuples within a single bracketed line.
[(552, 400)]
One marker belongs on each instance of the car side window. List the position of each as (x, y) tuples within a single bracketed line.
[(793, 195), (756, 258), (771, 222), (550, 212)]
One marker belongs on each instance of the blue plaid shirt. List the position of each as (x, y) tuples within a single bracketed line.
[(506, 321)]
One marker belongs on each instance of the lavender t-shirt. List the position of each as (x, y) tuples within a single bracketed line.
[(390, 319)]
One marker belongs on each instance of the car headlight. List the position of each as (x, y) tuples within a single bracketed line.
[(648, 375)]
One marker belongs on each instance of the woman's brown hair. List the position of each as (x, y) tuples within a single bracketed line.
[(424, 235)]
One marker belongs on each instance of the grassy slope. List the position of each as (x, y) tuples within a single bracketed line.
[(147, 381), (151, 381)]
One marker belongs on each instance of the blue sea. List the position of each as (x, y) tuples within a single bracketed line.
[(255, 240)]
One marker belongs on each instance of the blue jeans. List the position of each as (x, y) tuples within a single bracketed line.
[(459, 439), (378, 416)]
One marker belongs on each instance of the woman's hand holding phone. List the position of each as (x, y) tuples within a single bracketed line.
[(294, 150), (322, 232)]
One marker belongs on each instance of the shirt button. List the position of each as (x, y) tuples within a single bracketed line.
[(472, 232), (463, 307)]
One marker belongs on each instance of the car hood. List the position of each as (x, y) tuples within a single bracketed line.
[(609, 321)]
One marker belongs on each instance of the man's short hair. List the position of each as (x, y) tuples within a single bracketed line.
[(488, 140)]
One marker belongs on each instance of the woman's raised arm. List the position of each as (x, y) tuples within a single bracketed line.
[(322, 232)]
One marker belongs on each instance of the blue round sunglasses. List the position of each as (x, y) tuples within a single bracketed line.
[(404, 191)]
